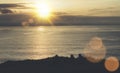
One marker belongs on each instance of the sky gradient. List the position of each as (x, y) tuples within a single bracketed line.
[(79, 7)]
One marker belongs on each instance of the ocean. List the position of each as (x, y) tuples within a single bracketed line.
[(22, 43)]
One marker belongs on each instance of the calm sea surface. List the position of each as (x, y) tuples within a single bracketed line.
[(20, 43)]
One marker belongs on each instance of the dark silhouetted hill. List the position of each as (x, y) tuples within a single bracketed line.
[(54, 65)]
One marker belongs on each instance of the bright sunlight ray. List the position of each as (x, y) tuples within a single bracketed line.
[(43, 10)]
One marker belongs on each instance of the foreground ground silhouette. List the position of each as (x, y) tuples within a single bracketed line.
[(55, 64)]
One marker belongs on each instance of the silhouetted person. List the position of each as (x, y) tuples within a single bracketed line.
[(79, 56), (56, 56), (72, 56)]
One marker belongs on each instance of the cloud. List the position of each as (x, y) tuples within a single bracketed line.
[(113, 11), (15, 19), (30, 20), (6, 11), (104, 9), (60, 13), (10, 5), (12, 8), (16, 6)]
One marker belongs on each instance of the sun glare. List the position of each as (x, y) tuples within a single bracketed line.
[(43, 10)]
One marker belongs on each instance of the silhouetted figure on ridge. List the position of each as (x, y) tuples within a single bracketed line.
[(56, 56), (72, 56)]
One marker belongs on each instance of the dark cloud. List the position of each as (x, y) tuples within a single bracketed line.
[(10, 5), (15, 6), (12, 8), (15, 19), (26, 19), (6, 11)]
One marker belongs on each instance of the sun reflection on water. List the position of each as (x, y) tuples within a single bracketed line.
[(41, 29)]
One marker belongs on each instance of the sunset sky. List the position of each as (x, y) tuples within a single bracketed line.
[(78, 7)]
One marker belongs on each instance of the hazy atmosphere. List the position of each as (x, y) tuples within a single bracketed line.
[(59, 36)]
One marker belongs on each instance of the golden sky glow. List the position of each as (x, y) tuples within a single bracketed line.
[(81, 7)]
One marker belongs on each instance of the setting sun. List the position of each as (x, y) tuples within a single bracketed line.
[(43, 10)]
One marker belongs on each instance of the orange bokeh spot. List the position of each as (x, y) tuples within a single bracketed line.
[(112, 64), (95, 51), (96, 43)]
